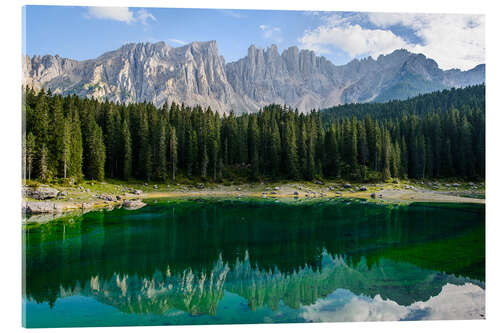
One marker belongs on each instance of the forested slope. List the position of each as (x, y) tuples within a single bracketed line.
[(434, 135)]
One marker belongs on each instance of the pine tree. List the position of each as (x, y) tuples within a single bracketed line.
[(290, 164), (310, 157), (29, 152), (204, 161), (275, 149), (302, 145), (144, 162), (66, 147), (43, 163), (40, 124), (56, 143), (253, 145), (127, 150), (96, 152), (162, 153), (387, 155), (173, 152), (76, 151)]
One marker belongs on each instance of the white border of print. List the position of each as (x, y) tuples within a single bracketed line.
[(10, 170)]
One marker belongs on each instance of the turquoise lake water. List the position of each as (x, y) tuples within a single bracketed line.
[(218, 261)]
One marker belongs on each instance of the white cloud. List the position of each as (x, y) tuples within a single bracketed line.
[(453, 302), (454, 41), (271, 33), (143, 16), (357, 308), (177, 41), (352, 39), (121, 14)]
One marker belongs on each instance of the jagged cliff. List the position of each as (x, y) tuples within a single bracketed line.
[(193, 74), (196, 74)]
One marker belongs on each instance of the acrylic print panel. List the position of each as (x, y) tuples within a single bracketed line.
[(226, 168)]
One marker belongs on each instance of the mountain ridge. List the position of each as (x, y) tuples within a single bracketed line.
[(195, 73)]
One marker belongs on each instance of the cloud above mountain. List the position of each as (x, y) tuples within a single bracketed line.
[(121, 14), (452, 40)]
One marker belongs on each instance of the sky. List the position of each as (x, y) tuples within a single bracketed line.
[(452, 40)]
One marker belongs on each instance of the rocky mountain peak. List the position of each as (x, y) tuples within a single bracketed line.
[(195, 73)]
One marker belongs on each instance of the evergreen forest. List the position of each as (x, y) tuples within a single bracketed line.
[(436, 135)]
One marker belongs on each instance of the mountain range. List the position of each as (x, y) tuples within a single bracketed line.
[(196, 74)]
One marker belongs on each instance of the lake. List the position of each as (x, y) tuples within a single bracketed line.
[(221, 261)]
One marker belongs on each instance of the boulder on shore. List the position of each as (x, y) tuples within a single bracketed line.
[(363, 188), (133, 204), (40, 193), (137, 192), (347, 185), (106, 197), (36, 207)]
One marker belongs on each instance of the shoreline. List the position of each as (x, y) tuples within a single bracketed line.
[(93, 196)]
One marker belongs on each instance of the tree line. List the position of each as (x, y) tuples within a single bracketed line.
[(430, 136)]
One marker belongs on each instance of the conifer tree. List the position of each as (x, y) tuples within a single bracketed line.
[(66, 147), (253, 145), (161, 172), (275, 149), (96, 152), (173, 152), (76, 150), (29, 151), (127, 150)]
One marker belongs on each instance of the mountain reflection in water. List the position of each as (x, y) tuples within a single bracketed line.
[(193, 258)]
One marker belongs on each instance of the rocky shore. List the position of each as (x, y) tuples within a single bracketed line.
[(44, 199)]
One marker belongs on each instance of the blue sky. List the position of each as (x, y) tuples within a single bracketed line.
[(454, 41)]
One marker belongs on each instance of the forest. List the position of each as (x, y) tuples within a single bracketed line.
[(436, 135)]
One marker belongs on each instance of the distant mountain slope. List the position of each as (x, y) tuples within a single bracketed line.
[(471, 97), (196, 74)]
